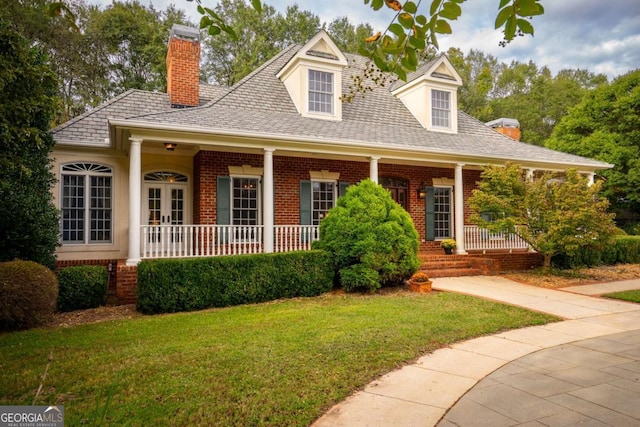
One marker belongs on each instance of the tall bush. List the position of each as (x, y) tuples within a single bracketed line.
[(28, 293), (371, 238)]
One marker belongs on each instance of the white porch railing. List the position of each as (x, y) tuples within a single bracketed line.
[(476, 238), (183, 241)]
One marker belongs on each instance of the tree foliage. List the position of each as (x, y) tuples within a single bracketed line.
[(553, 215), (29, 226), (372, 239), (606, 126)]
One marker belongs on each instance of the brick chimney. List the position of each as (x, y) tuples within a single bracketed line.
[(509, 127), (183, 66)]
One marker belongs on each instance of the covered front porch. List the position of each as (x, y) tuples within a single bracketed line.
[(183, 241)]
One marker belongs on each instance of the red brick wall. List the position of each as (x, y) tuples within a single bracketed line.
[(289, 171), (127, 287), (183, 72), (513, 261)]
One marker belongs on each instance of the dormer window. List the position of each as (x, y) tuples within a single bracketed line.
[(440, 108), (320, 92), (313, 78)]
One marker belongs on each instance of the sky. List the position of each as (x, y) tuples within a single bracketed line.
[(602, 36)]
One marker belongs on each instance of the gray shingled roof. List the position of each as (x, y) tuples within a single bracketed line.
[(92, 127), (260, 105)]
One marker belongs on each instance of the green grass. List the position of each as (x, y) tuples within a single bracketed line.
[(633, 296), (280, 364)]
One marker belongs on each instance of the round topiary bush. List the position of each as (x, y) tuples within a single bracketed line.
[(82, 287), (372, 238), (28, 293)]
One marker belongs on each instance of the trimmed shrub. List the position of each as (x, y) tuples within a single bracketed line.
[(624, 250), (28, 293), (172, 285), (82, 287), (369, 230)]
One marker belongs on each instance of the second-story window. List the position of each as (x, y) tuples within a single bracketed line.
[(440, 108), (320, 92)]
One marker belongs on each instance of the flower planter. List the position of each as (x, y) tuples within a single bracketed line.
[(420, 287)]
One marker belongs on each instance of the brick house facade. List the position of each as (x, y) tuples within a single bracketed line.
[(206, 170)]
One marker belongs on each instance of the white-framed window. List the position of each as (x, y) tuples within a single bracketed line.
[(323, 198), (86, 203), (320, 92), (443, 212), (440, 108), (245, 201)]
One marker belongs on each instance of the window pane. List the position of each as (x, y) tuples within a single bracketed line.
[(323, 200), (440, 108), (442, 205), (320, 92), (73, 208), (245, 201), (100, 211)]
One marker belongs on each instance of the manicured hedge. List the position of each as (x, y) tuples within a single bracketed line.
[(82, 287), (625, 250), (166, 286)]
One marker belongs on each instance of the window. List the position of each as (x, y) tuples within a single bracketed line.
[(86, 203), (440, 108), (245, 201), (320, 92), (442, 208), (323, 199)]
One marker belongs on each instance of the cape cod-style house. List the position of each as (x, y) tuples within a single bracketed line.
[(204, 170)]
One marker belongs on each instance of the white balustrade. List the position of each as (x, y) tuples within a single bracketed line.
[(182, 241), (477, 238)]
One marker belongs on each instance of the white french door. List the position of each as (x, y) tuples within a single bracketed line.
[(165, 206)]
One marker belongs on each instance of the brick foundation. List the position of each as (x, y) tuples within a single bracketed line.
[(126, 292)]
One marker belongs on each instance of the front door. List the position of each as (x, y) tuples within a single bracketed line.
[(164, 207), (399, 190)]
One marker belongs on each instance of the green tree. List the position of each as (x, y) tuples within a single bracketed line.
[(536, 98), (29, 226), (261, 35), (553, 215), (348, 38), (606, 126), (478, 72), (371, 238)]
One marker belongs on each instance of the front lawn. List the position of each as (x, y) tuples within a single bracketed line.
[(632, 296), (278, 364)]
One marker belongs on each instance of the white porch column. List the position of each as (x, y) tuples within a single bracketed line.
[(592, 179), (459, 210), (373, 169), (530, 173), (267, 206), (135, 178)]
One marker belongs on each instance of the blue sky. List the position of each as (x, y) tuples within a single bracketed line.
[(597, 35)]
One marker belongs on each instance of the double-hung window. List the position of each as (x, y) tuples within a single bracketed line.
[(320, 92), (323, 199), (440, 108), (245, 213), (86, 203)]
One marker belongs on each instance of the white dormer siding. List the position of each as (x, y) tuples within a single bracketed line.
[(313, 78), (431, 95)]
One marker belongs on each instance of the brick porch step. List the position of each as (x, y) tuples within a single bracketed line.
[(440, 265)]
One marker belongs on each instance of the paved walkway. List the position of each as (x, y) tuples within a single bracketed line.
[(584, 370)]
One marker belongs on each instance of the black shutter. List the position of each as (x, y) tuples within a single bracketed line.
[(430, 214), (223, 204)]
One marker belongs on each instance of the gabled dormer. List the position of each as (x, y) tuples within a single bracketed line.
[(431, 95), (313, 78)]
